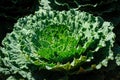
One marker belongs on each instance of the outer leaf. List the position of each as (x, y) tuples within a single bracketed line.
[(11, 10), (108, 9)]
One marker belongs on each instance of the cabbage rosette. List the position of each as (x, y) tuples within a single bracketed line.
[(54, 40)]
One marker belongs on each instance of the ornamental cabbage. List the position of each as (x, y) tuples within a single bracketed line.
[(57, 41)]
